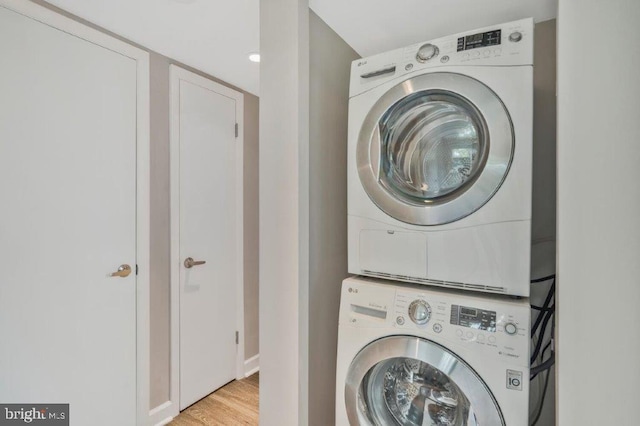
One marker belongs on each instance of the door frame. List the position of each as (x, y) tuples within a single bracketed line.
[(178, 74), (58, 21)]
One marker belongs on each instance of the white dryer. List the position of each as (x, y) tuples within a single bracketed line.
[(440, 161), (412, 355)]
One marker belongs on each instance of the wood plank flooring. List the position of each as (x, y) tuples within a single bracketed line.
[(233, 404)]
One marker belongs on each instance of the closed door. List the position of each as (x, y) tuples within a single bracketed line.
[(435, 148), (205, 144), (68, 221)]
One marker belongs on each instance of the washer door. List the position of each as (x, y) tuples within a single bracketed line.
[(435, 148), (408, 381)]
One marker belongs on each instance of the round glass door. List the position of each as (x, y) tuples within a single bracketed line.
[(409, 381), (433, 145), (435, 148)]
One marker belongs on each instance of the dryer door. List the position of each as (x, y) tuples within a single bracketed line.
[(435, 148), (402, 380)]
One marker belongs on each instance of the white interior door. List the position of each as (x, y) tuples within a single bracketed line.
[(208, 233), (68, 134)]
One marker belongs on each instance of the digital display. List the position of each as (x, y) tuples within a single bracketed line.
[(489, 38), (478, 319), (473, 38), (468, 311)]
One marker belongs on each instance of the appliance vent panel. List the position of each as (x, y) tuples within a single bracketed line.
[(450, 284)]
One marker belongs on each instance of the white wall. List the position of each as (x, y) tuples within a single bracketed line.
[(330, 64), (284, 212), (598, 212), (251, 232), (303, 211), (543, 224)]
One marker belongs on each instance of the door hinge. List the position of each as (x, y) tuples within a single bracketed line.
[(236, 130), (237, 337), (136, 269)]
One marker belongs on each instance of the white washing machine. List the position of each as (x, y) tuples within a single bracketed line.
[(440, 161), (415, 355)]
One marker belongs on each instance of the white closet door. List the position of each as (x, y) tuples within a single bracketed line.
[(208, 232), (68, 220)]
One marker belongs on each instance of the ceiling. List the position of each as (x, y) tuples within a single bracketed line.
[(374, 26), (216, 36)]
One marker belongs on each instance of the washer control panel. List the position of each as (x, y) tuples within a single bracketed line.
[(498, 326), (478, 322)]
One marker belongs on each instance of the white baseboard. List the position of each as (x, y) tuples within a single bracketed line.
[(163, 414), (252, 365)]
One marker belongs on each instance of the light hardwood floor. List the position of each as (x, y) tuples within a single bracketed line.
[(232, 404)]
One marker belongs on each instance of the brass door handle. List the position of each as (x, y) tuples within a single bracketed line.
[(190, 263), (122, 272)]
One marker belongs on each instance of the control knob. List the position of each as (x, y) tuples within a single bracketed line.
[(426, 52), (515, 36), (511, 328), (419, 312)]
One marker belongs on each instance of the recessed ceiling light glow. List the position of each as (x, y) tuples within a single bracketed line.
[(254, 57)]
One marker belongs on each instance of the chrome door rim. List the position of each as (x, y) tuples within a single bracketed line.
[(480, 397), (500, 150)]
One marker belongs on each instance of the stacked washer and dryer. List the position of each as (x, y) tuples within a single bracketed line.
[(439, 218)]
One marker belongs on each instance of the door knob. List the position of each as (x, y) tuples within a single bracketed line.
[(122, 272), (190, 263)]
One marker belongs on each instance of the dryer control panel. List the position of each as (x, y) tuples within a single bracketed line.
[(498, 45)]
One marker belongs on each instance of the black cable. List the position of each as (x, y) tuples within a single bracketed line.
[(543, 329), (553, 335), (543, 279), (547, 346), (544, 393), (550, 294), (545, 305), (542, 308), (544, 366)]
